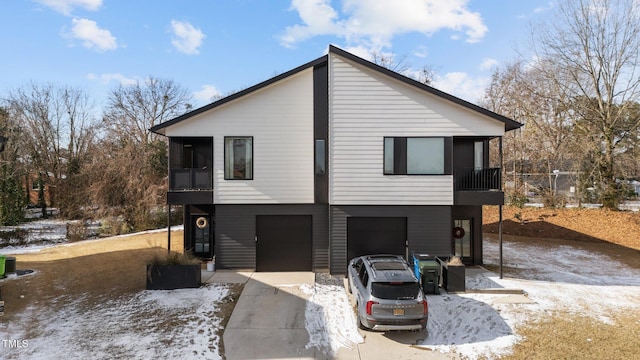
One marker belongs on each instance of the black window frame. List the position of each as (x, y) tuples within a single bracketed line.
[(400, 155), (250, 138)]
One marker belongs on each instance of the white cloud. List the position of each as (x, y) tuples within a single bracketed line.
[(206, 94), (462, 85), (186, 38), (117, 77), (66, 6), (421, 52), (92, 36), (550, 5), (376, 22), (488, 64)]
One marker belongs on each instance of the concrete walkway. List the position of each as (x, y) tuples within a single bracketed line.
[(268, 320)]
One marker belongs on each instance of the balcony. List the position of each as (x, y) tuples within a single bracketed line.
[(190, 186), (478, 186)]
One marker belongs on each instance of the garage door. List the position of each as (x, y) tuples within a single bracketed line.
[(376, 235), (283, 242)]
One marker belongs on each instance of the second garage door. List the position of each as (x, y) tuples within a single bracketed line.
[(376, 235), (283, 242)]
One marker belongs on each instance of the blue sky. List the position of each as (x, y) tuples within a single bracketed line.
[(217, 47)]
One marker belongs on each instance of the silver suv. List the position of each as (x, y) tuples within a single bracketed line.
[(388, 296)]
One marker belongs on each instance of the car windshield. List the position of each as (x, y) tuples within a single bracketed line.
[(395, 291)]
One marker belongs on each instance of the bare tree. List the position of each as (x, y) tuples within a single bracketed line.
[(594, 46), (527, 95), (58, 127), (425, 75), (132, 110), (131, 180)]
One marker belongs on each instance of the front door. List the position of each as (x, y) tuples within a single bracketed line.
[(463, 239), (202, 236)]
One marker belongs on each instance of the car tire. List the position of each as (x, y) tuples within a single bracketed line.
[(359, 322)]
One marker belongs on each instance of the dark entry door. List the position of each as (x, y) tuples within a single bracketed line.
[(376, 235), (283, 243), (202, 236)]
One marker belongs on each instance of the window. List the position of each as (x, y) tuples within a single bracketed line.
[(238, 158), (478, 155), (414, 156), (320, 157)]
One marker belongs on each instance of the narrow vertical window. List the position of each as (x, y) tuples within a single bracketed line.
[(389, 155), (238, 158), (320, 157), (478, 155)]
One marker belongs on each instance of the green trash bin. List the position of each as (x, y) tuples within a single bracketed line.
[(2, 259), (427, 270)]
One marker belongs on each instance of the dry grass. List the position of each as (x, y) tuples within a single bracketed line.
[(87, 273), (562, 337)]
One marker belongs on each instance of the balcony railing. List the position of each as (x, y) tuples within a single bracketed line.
[(190, 179), (478, 179)]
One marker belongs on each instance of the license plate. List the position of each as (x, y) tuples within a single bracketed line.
[(398, 312)]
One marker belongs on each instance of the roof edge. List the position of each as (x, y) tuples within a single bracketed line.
[(159, 129), (510, 124)]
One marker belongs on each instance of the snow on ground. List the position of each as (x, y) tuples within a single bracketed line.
[(152, 324), (329, 318), (59, 228), (184, 323), (562, 279)]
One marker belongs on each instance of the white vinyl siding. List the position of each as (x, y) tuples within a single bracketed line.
[(279, 117), (365, 107)]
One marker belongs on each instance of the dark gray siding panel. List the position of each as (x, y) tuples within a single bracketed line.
[(428, 229), (189, 197), (235, 233)]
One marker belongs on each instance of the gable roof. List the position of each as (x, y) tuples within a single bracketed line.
[(510, 124)]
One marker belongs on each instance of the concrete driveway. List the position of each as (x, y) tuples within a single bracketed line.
[(268, 322)]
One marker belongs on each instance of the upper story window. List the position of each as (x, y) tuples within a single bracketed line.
[(414, 156), (320, 157), (238, 158)]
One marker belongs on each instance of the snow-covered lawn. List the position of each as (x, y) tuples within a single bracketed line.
[(152, 324), (186, 323), (564, 279)]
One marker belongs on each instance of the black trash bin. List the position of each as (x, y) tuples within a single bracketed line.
[(10, 265), (427, 270)]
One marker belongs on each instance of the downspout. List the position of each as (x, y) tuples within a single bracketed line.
[(169, 229), (500, 209)]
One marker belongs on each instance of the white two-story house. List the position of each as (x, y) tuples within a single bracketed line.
[(334, 159)]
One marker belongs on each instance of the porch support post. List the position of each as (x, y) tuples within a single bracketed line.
[(169, 229), (500, 209)]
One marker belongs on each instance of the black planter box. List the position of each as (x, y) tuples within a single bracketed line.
[(169, 277), (453, 276)]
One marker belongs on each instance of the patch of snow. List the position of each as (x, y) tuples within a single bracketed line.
[(329, 319), (561, 279), (152, 324)]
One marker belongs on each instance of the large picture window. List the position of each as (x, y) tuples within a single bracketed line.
[(414, 156), (238, 158)]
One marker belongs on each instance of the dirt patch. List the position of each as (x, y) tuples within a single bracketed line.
[(612, 233), (584, 225)]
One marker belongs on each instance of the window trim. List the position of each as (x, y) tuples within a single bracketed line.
[(400, 157), (226, 177)]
